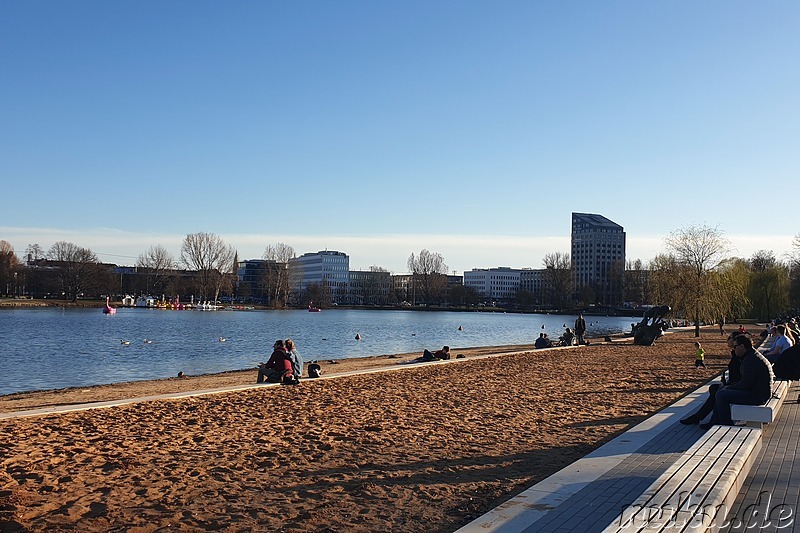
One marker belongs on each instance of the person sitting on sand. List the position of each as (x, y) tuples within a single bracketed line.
[(295, 358), (542, 341), (279, 368), (568, 338)]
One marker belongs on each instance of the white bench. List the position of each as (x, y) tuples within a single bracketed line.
[(697, 491), (756, 415)]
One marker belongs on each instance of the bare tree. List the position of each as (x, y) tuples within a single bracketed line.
[(700, 251), (8, 268), (158, 265), (34, 252), (557, 278), (208, 254), (77, 268), (430, 275), (276, 276), (635, 282)]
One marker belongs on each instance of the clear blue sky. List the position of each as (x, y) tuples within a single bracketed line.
[(469, 128)]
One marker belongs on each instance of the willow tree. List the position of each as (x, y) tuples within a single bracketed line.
[(794, 273), (211, 258), (699, 252), (769, 284)]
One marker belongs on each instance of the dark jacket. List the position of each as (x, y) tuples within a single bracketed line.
[(788, 364), (542, 342), (580, 326), (279, 360), (756, 376), (734, 369)]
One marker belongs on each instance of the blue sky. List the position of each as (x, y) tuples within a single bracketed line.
[(470, 128)]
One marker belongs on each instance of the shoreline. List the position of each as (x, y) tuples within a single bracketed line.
[(19, 401)]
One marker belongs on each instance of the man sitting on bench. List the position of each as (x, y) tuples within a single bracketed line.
[(753, 388)]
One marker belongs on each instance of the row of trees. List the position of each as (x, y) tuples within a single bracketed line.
[(70, 271), (695, 276)]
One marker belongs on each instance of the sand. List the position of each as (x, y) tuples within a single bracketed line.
[(424, 449)]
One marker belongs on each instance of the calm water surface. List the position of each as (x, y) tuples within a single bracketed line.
[(53, 348)]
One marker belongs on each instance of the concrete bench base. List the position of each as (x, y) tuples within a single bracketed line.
[(697, 491), (756, 415)]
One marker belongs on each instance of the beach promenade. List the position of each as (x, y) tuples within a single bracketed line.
[(590, 494)]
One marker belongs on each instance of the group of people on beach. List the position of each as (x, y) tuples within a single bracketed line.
[(570, 337), (751, 371), (285, 365)]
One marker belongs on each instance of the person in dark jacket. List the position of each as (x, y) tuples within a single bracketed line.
[(278, 367), (734, 375), (788, 364), (754, 387), (580, 329)]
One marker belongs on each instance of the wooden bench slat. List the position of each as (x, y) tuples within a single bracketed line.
[(693, 492)]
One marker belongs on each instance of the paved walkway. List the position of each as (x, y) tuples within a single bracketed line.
[(770, 497), (589, 494)]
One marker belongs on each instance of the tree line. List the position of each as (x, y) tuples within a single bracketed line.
[(695, 275)]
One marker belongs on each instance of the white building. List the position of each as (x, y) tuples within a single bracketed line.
[(327, 269), (500, 283), (533, 281)]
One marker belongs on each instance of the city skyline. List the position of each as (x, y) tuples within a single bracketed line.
[(114, 247), (470, 129)]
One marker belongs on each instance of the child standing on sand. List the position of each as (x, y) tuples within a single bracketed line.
[(699, 356)]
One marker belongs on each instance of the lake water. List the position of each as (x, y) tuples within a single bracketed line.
[(50, 348)]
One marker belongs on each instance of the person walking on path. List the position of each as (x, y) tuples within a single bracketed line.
[(754, 387), (580, 329), (699, 356)]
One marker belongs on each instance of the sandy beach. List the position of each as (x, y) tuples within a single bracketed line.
[(424, 449)]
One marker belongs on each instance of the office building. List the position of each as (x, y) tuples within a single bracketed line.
[(598, 259)]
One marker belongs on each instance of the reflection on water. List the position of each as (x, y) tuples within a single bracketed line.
[(55, 347)]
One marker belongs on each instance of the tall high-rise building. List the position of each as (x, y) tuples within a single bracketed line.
[(598, 258)]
